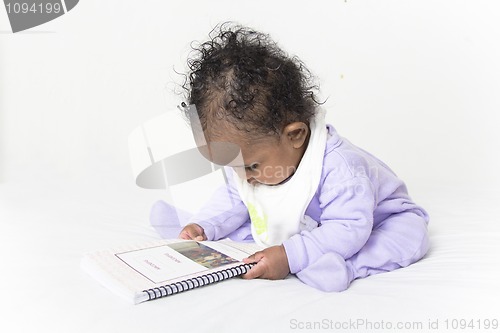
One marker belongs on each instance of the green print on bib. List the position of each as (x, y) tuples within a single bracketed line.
[(259, 222)]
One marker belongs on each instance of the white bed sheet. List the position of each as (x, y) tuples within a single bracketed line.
[(47, 229)]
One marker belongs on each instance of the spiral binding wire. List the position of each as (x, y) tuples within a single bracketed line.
[(174, 288)]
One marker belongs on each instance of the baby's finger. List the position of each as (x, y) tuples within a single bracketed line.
[(185, 235), (255, 272), (254, 258)]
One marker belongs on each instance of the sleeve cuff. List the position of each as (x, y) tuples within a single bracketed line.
[(208, 229), (293, 254)]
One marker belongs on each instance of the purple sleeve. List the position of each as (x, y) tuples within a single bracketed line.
[(223, 213), (345, 224)]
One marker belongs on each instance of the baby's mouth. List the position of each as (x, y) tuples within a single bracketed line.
[(253, 181)]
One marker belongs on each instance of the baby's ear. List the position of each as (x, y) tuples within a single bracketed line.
[(296, 134)]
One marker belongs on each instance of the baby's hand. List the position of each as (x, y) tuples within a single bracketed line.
[(193, 231), (272, 264)]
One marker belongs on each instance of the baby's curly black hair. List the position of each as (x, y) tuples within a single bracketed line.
[(242, 76)]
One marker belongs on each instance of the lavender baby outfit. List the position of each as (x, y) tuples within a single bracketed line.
[(368, 223)]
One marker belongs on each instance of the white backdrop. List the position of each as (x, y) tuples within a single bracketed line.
[(414, 82)]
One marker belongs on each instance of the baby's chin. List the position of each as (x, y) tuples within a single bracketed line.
[(274, 182), (255, 182)]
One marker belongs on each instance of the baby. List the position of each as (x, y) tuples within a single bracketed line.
[(322, 208)]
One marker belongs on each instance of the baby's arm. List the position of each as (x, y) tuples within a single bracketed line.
[(218, 224), (346, 224), (223, 214)]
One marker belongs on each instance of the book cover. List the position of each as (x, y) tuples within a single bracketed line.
[(162, 268)]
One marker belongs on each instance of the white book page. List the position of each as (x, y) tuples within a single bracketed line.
[(237, 250), (163, 263)]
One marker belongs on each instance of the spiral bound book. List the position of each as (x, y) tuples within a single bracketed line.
[(163, 268)]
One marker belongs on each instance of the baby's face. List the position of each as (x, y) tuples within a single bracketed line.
[(269, 160)]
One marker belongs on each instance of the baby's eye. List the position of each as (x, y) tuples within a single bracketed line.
[(252, 167)]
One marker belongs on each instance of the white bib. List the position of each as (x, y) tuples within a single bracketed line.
[(277, 212)]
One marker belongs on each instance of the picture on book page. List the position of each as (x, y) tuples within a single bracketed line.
[(202, 254)]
